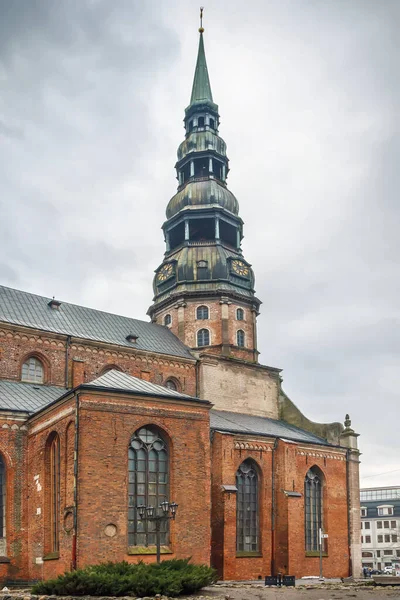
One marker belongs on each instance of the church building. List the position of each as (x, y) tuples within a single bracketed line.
[(102, 415)]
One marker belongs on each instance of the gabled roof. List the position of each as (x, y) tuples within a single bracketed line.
[(27, 397), (30, 310), (221, 420), (30, 398), (116, 380)]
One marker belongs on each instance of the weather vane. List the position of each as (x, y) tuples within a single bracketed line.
[(201, 28)]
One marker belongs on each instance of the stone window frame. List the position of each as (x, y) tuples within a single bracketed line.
[(197, 337), (240, 338), (201, 306), (240, 311), (167, 321)]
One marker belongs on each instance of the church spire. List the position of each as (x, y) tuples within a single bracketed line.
[(201, 90)]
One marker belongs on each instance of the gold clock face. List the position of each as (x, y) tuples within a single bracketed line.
[(240, 268), (165, 272)]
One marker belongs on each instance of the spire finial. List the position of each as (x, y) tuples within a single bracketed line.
[(201, 28)]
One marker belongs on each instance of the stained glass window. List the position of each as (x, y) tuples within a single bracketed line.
[(313, 509), (32, 371), (203, 337), (148, 484), (247, 508)]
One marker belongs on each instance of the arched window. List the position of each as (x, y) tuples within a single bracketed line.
[(247, 518), (108, 368), (202, 312), (2, 501), (200, 122), (240, 338), (313, 508), (53, 492), (203, 337), (148, 484), (240, 314), (32, 370), (171, 385), (167, 319)]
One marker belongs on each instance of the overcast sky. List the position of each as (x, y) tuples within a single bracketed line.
[(92, 97)]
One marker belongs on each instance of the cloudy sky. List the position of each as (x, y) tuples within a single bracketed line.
[(92, 94)]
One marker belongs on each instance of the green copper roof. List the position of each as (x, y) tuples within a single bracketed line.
[(201, 90)]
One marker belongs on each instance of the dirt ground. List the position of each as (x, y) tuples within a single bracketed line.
[(327, 592)]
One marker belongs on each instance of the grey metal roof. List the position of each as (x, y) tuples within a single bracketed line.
[(30, 310), (117, 380), (27, 397), (221, 420)]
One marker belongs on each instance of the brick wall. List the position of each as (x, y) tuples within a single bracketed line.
[(185, 325), (13, 443), (18, 343), (282, 545)]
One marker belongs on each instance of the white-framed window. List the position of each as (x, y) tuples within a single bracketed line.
[(367, 539), (385, 510), (367, 525), (364, 511), (202, 313), (240, 338), (203, 337), (32, 370)]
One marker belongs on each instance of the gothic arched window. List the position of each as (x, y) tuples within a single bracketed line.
[(240, 314), (202, 312), (148, 484), (240, 338), (313, 508), (171, 385), (32, 370), (53, 492), (203, 337), (167, 320), (2, 500), (247, 518)]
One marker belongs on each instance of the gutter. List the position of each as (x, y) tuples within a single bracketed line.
[(76, 472)]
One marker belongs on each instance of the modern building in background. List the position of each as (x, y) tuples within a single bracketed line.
[(380, 527), (101, 414)]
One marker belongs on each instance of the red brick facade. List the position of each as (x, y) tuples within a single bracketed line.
[(202, 474)]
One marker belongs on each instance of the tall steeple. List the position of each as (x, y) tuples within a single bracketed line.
[(204, 288), (201, 90)]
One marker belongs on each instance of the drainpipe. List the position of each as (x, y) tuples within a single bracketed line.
[(76, 446), (67, 347), (273, 508), (348, 513)]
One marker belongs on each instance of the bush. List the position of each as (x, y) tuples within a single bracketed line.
[(170, 578)]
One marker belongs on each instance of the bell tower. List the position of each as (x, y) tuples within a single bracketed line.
[(204, 288)]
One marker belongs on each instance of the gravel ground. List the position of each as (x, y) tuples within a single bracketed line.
[(313, 592)]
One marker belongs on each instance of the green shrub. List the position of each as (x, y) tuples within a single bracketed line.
[(170, 578)]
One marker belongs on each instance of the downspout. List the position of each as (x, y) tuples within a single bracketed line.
[(76, 465), (67, 347), (348, 512), (273, 508), (197, 378)]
